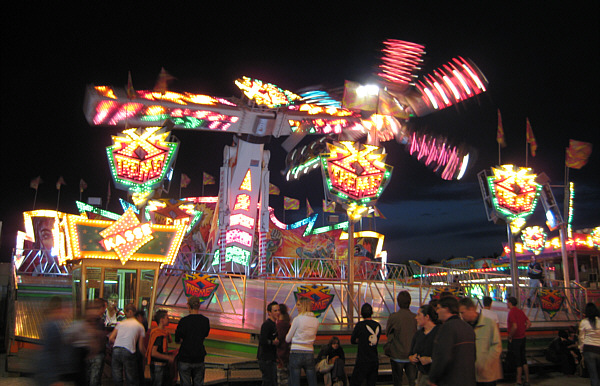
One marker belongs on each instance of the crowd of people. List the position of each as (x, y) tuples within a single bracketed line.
[(449, 341), (75, 353)]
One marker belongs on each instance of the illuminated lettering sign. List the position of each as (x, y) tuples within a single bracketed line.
[(173, 212), (319, 295), (201, 285), (241, 220), (514, 191), (125, 239), (242, 202), (238, 236), (126, 235), (534, 239), (237, 255), (139, 159), (354, 172)]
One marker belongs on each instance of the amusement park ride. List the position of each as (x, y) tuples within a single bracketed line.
[(354, 173), (352, 162)]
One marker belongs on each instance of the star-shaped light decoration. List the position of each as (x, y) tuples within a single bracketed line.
[(139, 160), (126, 235), (534, 239), (514, 191), (355, 173)]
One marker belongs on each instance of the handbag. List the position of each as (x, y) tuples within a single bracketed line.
[(324, 366)]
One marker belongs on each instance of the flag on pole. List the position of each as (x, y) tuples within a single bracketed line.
[(185, 180), (500, 133), (130, 89), (60, 182), (35, 183), (328, 208), (309, 209), (578, 153), (531, 139), (207, 179), (163, 80), (290, 203), (82, 185), (274, 190)]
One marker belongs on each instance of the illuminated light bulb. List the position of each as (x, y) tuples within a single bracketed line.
[(442, 93), (431, 98)]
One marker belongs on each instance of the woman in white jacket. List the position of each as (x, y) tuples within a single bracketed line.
[(302, 336), (589, 341)]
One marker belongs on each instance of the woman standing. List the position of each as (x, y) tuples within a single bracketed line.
[(422, 344), (302, 336), (283, 347), (589, 341)]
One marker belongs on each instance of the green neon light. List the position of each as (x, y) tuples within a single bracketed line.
[(506, 213), (237, 255), (83, 207), (149, 185)]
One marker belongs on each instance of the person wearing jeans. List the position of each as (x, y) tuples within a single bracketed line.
[(127, 337), (589, 342), (302, 336), (191, 332)]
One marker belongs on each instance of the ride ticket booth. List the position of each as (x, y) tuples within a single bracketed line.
[(118, 259)]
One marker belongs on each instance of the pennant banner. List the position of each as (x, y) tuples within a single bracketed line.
[(500, 133), (207, 179), (185, 180), (60, 182), (531, 139), (328, 208), (35, 183), (309, 209), (578, 153), (274, 190), (82, 185), (290, 203)]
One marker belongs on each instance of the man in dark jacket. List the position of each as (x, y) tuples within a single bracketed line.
[(366, 334), (453, 359), (400, 329), (191, 331), (267, 346)]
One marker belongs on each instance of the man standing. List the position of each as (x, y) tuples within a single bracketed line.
[(487, 310), (401, 327), (534, 271), (191, 332), (453, 358), (516, 325), (158, 356), (366, 334), (488, 346), (126, 338), (267, 346)]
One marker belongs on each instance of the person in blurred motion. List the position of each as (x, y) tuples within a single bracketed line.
[(283, 347), (127, 339), (57, 362), (157, 353), (191, 332), (94, 318), (366, 334)]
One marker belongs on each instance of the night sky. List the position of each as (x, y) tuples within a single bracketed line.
[(541, 62)]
